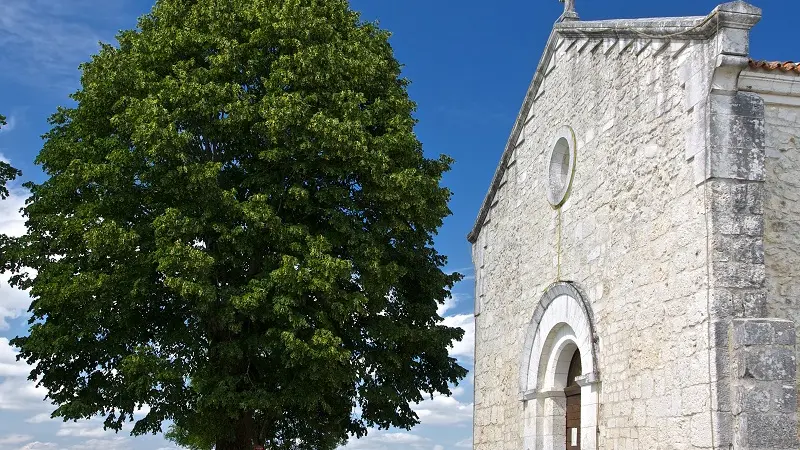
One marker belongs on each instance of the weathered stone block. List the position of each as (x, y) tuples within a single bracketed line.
[(749, 332), (785, 333), (752, 304), (766, 364), (750, 399), (742, 104), (766, 431), (762, 332), (736, 163), (785, 399), (738, 275), (737, 132)]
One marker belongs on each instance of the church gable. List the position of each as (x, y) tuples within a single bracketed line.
[(619, 252), (685, 43)]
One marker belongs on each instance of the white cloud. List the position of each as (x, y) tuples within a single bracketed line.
[(399, 438), (449, 303), (119, 443), (39, 418), (9, 366), (384, 440), (39, 446), (466, 443), (91, 429), (13, 302), (465, 348), (17, 393), (443, 410), (438, 447), (11, 123), (14, 439), (11, 221)]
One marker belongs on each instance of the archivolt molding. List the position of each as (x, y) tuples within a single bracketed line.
[(562, 323), (581, 324)]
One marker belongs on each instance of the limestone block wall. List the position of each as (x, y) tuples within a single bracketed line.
[(782, 212), (632, 236), (763, 384)]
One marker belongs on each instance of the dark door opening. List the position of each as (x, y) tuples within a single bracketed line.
[(573, 394)]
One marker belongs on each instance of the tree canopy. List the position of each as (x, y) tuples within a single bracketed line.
[(236, 231)]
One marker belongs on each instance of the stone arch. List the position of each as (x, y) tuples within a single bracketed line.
[(562, 322)]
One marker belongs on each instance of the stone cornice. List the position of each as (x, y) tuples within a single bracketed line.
[(774, 87)]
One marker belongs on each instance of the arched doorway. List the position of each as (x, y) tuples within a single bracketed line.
[(573, 404), (558, 370)]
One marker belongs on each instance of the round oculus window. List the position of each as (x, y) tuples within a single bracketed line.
[(561, 166)]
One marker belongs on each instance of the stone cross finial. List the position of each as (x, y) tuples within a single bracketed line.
[(569, 11)]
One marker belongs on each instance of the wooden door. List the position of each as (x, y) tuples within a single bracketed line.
[(573, 394), (574, 419)]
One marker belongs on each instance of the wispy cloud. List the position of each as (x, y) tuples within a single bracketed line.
[(82, 429), (14, 439), (44, 41), (467, 272), (462, 270), (39, 446), (11, 123), (119, 443), (39, 418)]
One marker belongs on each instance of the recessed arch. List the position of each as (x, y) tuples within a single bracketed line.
[(562, 324)]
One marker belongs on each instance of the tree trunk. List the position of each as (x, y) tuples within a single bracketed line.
[(243, 438)]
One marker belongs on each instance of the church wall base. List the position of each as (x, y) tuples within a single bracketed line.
[(764, 384)]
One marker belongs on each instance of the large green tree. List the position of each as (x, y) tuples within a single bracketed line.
[(236, 230)]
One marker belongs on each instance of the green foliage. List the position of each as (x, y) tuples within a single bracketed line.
[(186, 440), (237, 231), (7, 173)]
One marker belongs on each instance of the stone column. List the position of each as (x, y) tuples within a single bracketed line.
[(764, 385), (590, 389), (555, 419)]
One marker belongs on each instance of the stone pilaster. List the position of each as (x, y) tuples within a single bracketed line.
[(764, 384)]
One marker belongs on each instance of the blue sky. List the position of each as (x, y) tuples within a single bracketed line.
[(470, 63)]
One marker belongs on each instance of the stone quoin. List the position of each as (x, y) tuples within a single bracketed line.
[(637, 256)]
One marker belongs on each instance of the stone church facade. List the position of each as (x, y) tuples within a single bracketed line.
[(637, 257)]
